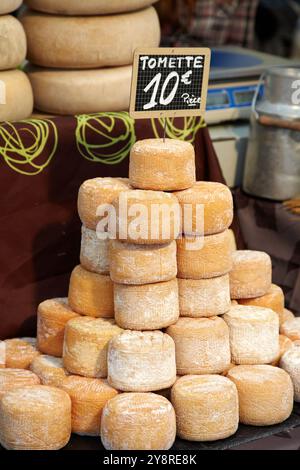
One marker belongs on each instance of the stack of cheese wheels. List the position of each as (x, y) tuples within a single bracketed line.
[(81, 52), (16, 99)]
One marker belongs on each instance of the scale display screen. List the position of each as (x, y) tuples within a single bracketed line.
[(217, 99), (230, 97), (244, 96)]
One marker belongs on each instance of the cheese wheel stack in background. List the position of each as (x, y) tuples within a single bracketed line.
[(81, 52), (16, 99)]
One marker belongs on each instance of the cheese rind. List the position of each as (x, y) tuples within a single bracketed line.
[(92, 7), (273, 299), (12, 44), (49, 369), (16, 98), (2, 354), (8, 6), (94, 252), (206, 407), (11, 379), (284, 345), (138, 421), (285, 315), (20, 352), (291, 328), (290, 362)]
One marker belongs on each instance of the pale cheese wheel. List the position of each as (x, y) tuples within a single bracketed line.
[(284, 345), (141, 361), (20, 352), (251, 274), (290, 362), (254, 334), (147, 217), (91, 293), (91, 91), (202, 345), (146, 307), (291, 328), (142, 264), (94, 252), (265, 394), (16, 98), (88, 397), (49, 369), (35, 418), (85, 345), (97, 192), (206, 407), (215, 205), (11, 379), (138, 421), (273, 299), (2, 354), (8, 6), (162, 165), (204, 257), (285, 315), (52, 317), (12, 43), (204, 297), (89, 42)]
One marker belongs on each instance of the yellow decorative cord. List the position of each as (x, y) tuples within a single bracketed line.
[(191, 125), (110, 149), (28, 159)]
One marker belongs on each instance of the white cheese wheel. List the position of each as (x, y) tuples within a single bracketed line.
[(20, 352), (92, 91), (284, 345), (16, 98), (94, 252), (52, 317), (8, 6), (202, 345), (96, 192), (206, 407), (146, 307), (49, 369), (11, 379), (285, 315), (141, 361), (251, 274), (90, 7), (162, 165), (204, 257), (12, 43), (254, 334), (35, 418), (88, 397), (85, 345), (204, 297), (2, 354), (291, 328), (273, 299), (91, 293), (265, 394), (89, 42), (216, 202), (290, 362), (142, 264), (138, 421)]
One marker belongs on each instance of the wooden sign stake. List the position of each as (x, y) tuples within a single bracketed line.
[(165, 127)]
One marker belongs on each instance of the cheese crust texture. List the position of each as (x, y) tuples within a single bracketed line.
[(90, 7), (12, 44)]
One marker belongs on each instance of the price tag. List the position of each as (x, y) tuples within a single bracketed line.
[(169, 82)]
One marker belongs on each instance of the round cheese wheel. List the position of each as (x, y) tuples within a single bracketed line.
[(49, 369), (88, 397), (92, 91), (147, 217), (90, 7), (141, 361), (8, 6), (206, 407), (204, 257), (91, 293), (35, 418), (251, 274), (12, 44), (162, 165), (91, 42), (85, 345), (2, 354), (273, 299), (291, 329), (290, 362), (147, 307), (233, 242), (138, 421), (11, 379), (16, 98), (94, 252), (215, 202), (142, 264), (284, 345), (265, 394), (204, 297), (202, 345), (97, 192), (20, 352), (52, 317), (254, 334), (285, 315)]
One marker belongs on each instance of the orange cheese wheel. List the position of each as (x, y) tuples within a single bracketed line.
[(285, 315), (11, 379), (49, 369), (90, 7), (273, 299), (20, 352)]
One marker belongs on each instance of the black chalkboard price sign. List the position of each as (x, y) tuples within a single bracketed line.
[(169, 82)]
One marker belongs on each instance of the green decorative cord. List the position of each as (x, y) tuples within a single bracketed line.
[(110, 149), (28, 160), (191, 125)]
